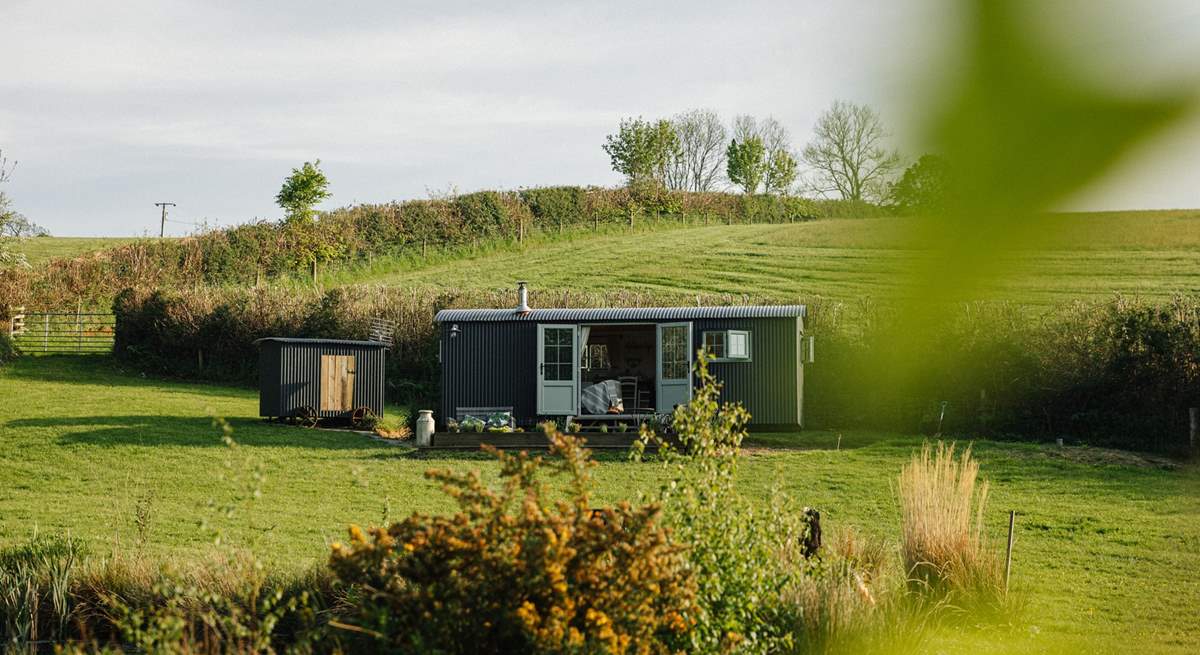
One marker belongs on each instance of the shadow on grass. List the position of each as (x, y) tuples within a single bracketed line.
[(107, 371), (823, 440), (195, 431)]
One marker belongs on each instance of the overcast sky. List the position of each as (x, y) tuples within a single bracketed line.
[(113, 106)]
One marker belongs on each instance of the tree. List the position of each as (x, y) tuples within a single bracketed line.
[(16, 226), (746, 163), (923, 188), (641, 150), (695, 165), (9, 219), (781, 172), (303, 189), (779, 164), (848, 153)]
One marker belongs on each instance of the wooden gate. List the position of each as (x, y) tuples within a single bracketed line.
[(75, 332), (337, 383)]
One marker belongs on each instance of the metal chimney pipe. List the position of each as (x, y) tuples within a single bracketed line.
[(522, 298)]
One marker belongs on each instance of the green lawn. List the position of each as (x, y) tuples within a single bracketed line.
[(1108, 544), (1151, 254), (42, 249)]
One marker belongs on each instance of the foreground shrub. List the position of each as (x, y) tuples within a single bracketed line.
[(36, 579), (734, 548), (944, 544), (221, 604), (513, 571)]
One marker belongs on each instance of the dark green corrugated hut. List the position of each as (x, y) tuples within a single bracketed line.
[(538, 361)]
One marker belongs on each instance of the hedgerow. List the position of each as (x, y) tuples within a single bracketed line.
[(1122, 372), (246, 254)]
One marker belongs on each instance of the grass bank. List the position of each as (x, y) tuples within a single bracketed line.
[(1084, 256), (40, 250)]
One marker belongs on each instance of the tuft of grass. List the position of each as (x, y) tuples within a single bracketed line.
[(943, 539), (392, 427)]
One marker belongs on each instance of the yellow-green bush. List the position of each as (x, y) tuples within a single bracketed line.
[(515, 571)]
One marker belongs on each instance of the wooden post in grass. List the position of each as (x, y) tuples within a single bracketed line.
[(1012, 521), (812, 539), (314, 270), (1193, 428)]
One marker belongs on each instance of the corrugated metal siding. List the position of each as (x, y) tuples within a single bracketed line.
[(651, 314), (268, 380), (490, 365), (290, 374), (766, 385)]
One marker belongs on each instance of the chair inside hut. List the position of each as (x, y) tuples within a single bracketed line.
[(617, 369)]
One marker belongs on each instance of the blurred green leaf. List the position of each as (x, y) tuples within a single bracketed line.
[(1023, 132)]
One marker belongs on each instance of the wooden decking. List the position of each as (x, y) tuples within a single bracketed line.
[(526, 440)]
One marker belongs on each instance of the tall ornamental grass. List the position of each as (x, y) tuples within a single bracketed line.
[(944, 545)]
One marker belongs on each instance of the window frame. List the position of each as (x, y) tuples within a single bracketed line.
[(725, 342)]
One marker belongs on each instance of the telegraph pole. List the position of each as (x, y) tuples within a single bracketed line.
[(162, 230)]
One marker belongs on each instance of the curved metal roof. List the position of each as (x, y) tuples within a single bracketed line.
[(324, 342), (620, 313)]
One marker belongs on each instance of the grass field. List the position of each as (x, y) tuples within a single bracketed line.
[(1108, 544), (42, 249), (1085, 256)]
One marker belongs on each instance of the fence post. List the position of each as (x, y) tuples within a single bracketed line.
[(1012, 521), (78, 327), (46, 333), (1193, 428)]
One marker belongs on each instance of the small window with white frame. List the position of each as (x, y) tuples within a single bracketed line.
[(727, 345)]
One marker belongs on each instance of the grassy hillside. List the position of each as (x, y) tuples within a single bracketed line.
[(42, 249), (1151, 254), (1106, 542)]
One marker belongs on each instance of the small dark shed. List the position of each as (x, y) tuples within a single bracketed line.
[(319, 378), (559, 362)]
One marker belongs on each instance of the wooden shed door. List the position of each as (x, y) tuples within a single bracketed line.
[(337, 383)]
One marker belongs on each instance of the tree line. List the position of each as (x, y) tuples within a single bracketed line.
[(848, 157)]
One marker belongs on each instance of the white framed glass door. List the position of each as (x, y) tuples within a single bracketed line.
[(558, 370), (674, 365)]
